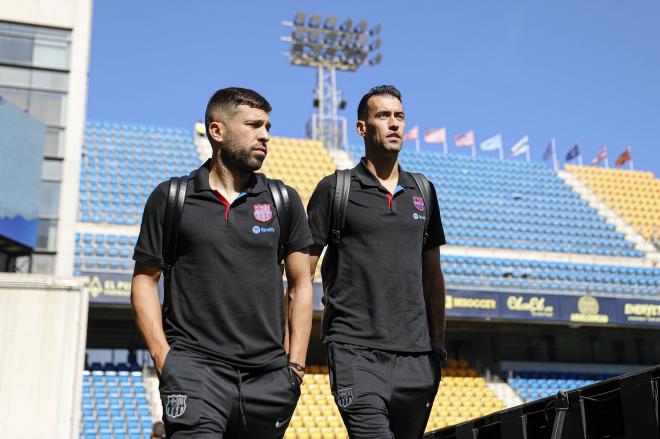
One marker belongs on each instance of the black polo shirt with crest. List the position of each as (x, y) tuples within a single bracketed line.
[(373, 278), (226, 300)]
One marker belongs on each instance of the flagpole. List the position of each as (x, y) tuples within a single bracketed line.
[(474, 149), (501, 151), (444, 145), (417, 143), (631, 160), (554, 154), (529, 156), (607, 159)]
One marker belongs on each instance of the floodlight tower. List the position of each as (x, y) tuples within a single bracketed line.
[(327, 47)]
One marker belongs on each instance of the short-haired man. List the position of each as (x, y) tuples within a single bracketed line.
[(218, 346), (384, 289)]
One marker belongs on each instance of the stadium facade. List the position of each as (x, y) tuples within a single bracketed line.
[(553, 277), (548, 287)]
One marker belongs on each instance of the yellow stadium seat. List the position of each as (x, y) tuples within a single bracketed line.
[(633, 195)]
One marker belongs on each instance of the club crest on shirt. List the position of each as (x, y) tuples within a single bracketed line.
[(419, 203), (262, 212)]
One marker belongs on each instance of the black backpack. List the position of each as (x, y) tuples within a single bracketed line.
[(176, 197), (340, 201)]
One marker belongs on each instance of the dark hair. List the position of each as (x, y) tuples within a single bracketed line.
[(363, 107), (227, 99)]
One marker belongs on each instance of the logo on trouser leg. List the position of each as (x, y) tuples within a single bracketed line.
[(176, 405), (345, 397)]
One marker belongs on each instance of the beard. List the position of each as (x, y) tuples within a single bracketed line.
[(238, 157)]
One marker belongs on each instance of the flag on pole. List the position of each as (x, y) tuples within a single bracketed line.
[(548, 152), (492, 144), (413, 134), (521, 147), (602, 155), (465, 140), (435, 135), (624, 158), (572, 153)]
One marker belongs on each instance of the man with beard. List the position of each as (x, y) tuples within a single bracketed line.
[(384, 291), (226, 368)]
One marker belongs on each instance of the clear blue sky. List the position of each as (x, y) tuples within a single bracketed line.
[(586, 71)]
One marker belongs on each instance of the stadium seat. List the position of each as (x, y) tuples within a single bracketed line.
[(109, 404), (532, 385)]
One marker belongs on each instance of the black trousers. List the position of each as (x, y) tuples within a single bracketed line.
[(380, 394), (207, 399)]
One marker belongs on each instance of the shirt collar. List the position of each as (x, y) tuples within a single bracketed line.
[(256, 184), (367, 178)]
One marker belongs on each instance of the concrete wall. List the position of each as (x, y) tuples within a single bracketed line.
[(43, 327)]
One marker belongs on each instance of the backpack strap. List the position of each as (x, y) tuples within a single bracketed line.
[(339, 204), (282, 203), (176, 197), (425, 189)]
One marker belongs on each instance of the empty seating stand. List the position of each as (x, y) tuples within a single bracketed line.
[(632, 195), (300, 163), (552, 277), (114, 403), (512, 204), (532, 385), (100, 252), (121, 165)]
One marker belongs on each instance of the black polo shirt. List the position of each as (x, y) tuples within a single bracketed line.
[(226, 299), (373, 278)]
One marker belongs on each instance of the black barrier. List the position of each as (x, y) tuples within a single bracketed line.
[(624, 407)]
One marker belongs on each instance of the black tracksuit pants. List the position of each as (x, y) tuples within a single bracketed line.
[(380, 394), (207, 399)]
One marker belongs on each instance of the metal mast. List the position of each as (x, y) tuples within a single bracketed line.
[(329, 48)]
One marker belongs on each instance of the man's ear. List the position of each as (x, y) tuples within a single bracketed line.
[(216, 131), (361, 128)]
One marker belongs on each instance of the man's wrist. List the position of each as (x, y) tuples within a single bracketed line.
[(441, 352), (160, 353), (297, 366)]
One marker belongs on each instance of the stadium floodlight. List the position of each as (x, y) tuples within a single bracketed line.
[(314, 35), (298, 34), (299, 19), (347, 40), (376, 60), (297, 49), (316, 49), (361, 27), (360, 41), (315, 20), (331, 37), (323, 45), (330, 23), (346, 25), (375, 45)]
